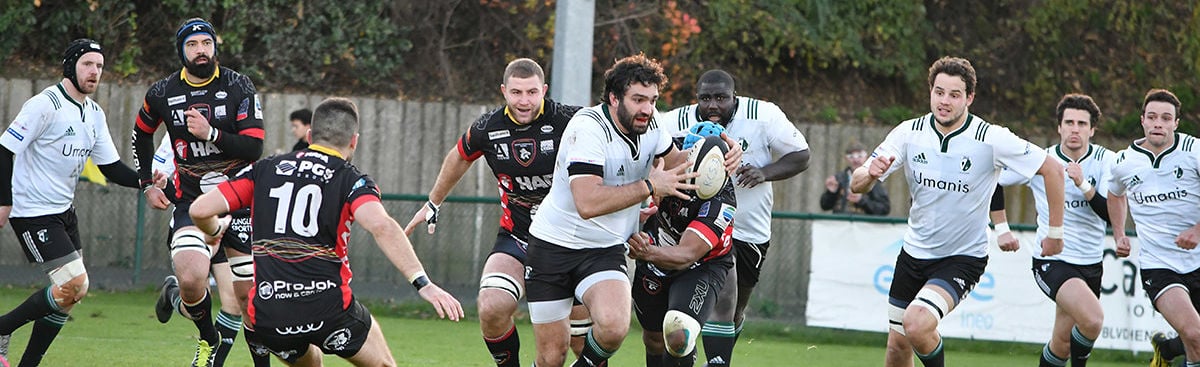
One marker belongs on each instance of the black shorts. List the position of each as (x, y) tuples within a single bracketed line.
[(552, 272), (691, 291), (342, 334), (1155, 281), (955, 274), (1051, 274), (47, 238), (237, 237), (750, 259), (508, 244)]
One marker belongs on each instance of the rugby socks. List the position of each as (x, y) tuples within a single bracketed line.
[(936, 358), (44, 332), (38, 305), (672, 361), (1081, 348), (593, 355), (719, 338), (505, 349), (1051, 360), (202, 317), (227, 327), (258, 353), (1169, 348)]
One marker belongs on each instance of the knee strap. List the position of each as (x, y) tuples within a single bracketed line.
[(242, 268), (580, 327), (502, 282), (189, 240), (932, 301)]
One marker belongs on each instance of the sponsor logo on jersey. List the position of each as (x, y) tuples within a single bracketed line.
[(703, 212), (204, 148), (502, 152), (959, 186), (281, 289), (299, 329), (1077, 204), (219, 112), (920, 158), (243, 109), (726, 215), (181, 149), (176, 100), (338, 339), (221, 94), (15, 134), (42, 236), (257, 107), (285, 168), (1178, 171), (621, 170), (965, 164), (526, 150), (498, 134), (1159, 197), (359, 184), (70, 131), (547, 146), (197, 93), (531, 183), (546, 129), (70, 150), (178, 118), (1135, 181), (745, 144)]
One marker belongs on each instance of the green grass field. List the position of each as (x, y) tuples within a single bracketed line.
[(119, 329)]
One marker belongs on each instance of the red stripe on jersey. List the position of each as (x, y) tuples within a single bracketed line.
[(720, 244), (250, 311), (146, 128), (359, 202), (238, 193), (253, 132), (506, 221), (463, 153), (178, 188), (343, 239)]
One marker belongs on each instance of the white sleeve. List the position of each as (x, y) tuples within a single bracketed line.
[(675, 122), (783, 136), (104, 151), (1010, 178), (1017, 155), (584, 141), (892, 146), (1115, 185), (30, 122), (664, 143), (1106, 164), (164, 157)]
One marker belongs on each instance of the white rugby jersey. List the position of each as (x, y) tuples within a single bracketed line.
[(1164, 197), (765, 134), (52, 137), (1083, 230), (951, 179), (592, 137)]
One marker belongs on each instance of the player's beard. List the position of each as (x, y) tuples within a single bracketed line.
[(204, 70), (625, 117)]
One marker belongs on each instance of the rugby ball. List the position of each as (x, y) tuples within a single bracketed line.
[(708, 158)]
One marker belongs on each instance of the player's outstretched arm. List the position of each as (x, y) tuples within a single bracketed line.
[(1117, 206), (864, 177), (788, 165), (453, 169), (395, 245), (1052, 173), (593, 198)]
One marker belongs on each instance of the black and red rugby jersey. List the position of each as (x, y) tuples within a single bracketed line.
[(302, 205), (712, 219), (521, 157), (230, 103)]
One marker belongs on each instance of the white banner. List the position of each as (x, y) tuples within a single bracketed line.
[(852, 265)]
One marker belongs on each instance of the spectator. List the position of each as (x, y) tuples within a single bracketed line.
[(837, 196), (301, 120)]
